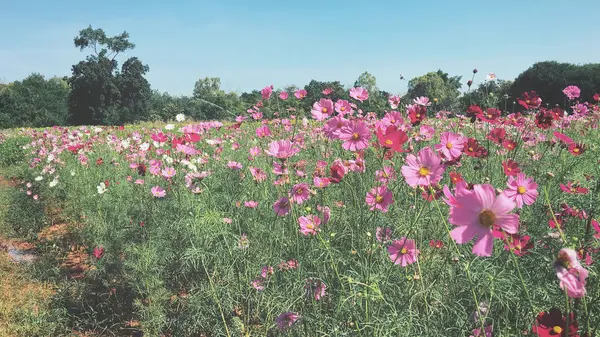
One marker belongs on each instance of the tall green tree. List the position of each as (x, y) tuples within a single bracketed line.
[(100, 95)]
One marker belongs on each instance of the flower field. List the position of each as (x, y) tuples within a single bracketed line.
[(419, 222)]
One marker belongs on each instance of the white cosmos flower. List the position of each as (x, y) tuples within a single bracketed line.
[(54, 182), (169, 127), (145, 146), (101, 188), (180, 118), (39, 178)]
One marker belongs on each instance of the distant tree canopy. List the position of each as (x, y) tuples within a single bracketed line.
[(549, 78), (436, 85), (100, 92)]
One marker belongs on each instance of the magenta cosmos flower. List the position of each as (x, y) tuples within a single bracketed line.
[(359, 93), (521, 190), (286, 320), (282, 206), (572, 92), (283, 95), (282, 149), (570, 273), (424, 170), (403, 252), (300, 193), (356, 135), (451, 145), (379, 198), (476, 212)]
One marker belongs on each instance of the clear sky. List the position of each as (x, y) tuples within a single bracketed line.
[(253, 43)]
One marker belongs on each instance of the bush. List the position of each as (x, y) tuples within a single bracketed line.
[(11, 150)]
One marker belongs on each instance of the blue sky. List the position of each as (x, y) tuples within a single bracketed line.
[(253, 43)]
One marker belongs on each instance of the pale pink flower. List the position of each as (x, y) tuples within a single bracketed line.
[(169, 172), (300, 94), (266, 92), (158, 192), (570, 273), (283, 95), (234, 165), (251, 204), (286, 320), (359, 93), (322, 109), (309, 225), (282, 149), (394, 101), (424, 101), (343, 107)]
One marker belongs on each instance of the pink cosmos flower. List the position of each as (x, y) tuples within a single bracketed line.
[(251, 204), (451, 145), (325, 212), (403, 252), (333, 127), (572, 92), (476, 212), (383, 234), (426, 132), (521, 190), (424, 170), (254, 151), (282, 149), (286, 320), (263, 131), (379, 198), (315, 288), (359, 93), (266, 92), (258, 174), (258, 284), (309, 225), (158, 192), (300, 94), (394, 101), (424, 101), (266, 271), (194, 179), (321, 182), (283, 95), (581, 109), (393, 118), (234, 165), (98, 252), (570, 273), (343, 107), (282, 206), (168, 172), (300, 193), (356, 135), (322, 109), (327, 91)]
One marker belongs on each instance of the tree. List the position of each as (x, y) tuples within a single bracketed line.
[(549, 78), (99, 95), (34, 102), (213, 102), (436, 85)]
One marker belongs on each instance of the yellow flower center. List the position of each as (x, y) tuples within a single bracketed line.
[(299, 191), (527, 101), (521, 190), (378, 199), (448, 146), (393, 121), (424, 171), (576, 150), (487, 218), (490, 116), (389, 142), (324, 110), (310, 226), (418, 115), (403, 251), (343, 108), (355, 136), (557, 329), (470, 149)]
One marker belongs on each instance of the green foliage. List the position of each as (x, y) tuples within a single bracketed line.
[(99, 94), (34, 102), (11, 150), (436, 85), (549, 78), (489, 94)]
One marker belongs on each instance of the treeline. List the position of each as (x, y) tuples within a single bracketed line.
[(100, 92)]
